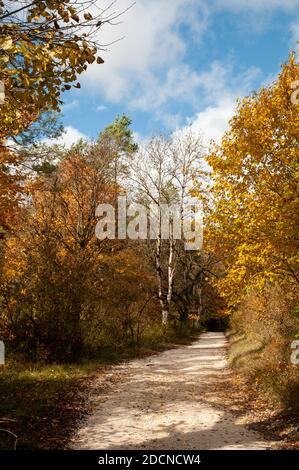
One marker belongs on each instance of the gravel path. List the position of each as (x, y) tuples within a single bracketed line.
[(170, 401)]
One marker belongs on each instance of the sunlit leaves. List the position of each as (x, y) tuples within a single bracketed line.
[(40, 58), (254, 223)]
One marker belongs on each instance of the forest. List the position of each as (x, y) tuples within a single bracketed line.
[(71, 303)]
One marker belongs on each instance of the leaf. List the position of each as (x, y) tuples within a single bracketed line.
[(88, 16), (6, 43)]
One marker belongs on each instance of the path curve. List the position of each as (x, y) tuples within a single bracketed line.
[(169, 401)]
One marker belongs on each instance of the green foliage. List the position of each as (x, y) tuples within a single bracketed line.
[(119, 139), (47, 126), (120, 135)]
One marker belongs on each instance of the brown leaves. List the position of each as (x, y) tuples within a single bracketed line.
[(88, 16)]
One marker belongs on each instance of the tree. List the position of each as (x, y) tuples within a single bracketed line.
[(118, 137), (47, 126), (254, 219), (44, 46), (51, 278), (65, 293), (192, 286), (163, 173), (24, 154)]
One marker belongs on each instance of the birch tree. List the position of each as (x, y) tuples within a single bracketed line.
[(162, 176)]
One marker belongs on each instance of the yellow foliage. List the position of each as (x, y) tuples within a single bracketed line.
[(255, 219)]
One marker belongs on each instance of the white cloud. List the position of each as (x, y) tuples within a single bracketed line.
[(222, 86), (214, 121), (101, 108), (258, 5), (255, 16), (70, 105), (149, 69), (295, 34), (69, 137), (145, 65)]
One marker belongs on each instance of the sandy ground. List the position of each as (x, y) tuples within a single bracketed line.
[(169, 401)]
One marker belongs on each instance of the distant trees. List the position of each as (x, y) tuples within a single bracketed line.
[(64, 292), (50, 276), (193, 296)]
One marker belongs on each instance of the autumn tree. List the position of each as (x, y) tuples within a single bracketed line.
[(254, 219), (52, 273), (162, 174), (64, 292), (44, 47)]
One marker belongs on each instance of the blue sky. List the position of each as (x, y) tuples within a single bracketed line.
[(182, 62)]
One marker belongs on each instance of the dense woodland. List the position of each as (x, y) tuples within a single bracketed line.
[(65, 295)]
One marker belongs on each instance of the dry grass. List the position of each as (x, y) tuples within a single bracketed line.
[(260, 354)]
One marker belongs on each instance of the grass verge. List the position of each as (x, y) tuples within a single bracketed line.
[(266, 394)]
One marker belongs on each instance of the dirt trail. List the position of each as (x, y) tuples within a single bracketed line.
[(170, 401)]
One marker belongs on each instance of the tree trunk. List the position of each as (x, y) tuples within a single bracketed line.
[(159, 273)]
